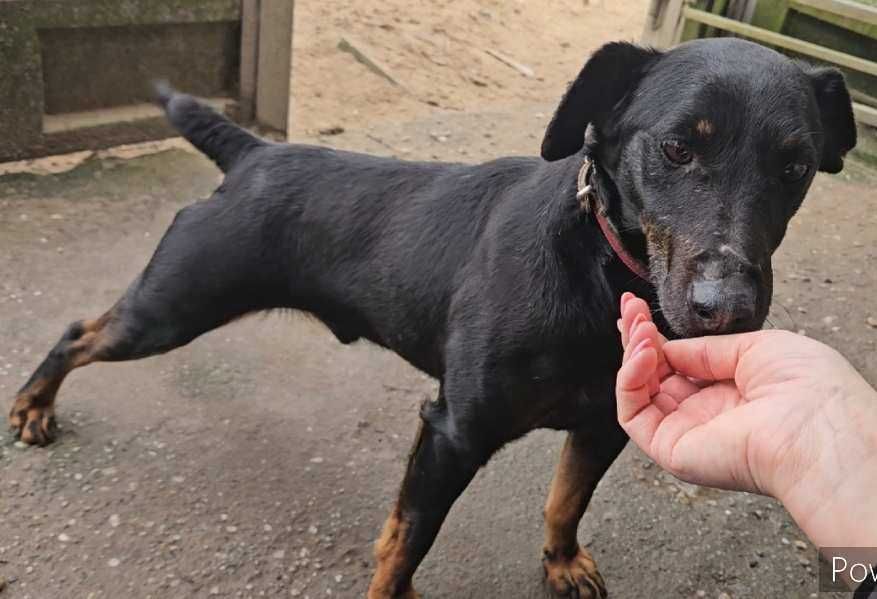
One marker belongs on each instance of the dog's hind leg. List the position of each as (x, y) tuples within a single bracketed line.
[(198, 279), (570, 570), (33, 413)]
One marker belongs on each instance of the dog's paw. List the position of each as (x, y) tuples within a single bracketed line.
[(408, 594), (33, 423), (576, 577)]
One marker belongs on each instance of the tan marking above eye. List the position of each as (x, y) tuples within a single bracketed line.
[(705, 127)]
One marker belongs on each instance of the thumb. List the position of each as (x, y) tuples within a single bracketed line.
[(708, 358)]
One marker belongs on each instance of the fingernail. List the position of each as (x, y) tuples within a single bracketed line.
[(625, 297), (618, 325)]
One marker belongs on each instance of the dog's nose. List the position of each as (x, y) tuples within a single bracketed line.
[(723, 305)]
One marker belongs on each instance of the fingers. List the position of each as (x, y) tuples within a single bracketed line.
[(633, 378), (644, 330), (708, 358), (636, 324), (637, 415), (633, 311)]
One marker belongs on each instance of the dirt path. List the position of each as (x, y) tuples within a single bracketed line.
[(436, 49)]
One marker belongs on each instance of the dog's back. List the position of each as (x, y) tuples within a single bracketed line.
[(372, 246)]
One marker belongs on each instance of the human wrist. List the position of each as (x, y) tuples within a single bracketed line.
[(832, 499)]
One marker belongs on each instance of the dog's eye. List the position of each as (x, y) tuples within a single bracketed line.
[(795, 171), (677, 152)]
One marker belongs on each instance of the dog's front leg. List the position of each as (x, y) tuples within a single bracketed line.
[(570, 570), (439, 469)]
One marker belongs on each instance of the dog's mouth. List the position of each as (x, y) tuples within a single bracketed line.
[(709, 291)]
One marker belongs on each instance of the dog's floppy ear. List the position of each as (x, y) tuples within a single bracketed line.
[(604, 81), (836, 113)]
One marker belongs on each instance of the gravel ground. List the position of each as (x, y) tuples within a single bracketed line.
[(261, 460)]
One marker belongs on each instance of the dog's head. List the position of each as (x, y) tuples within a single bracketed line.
[(709, 149)]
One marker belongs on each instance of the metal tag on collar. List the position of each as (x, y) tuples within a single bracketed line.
[(584, 188)]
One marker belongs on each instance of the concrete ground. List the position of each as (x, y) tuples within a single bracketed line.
[(261, 460)]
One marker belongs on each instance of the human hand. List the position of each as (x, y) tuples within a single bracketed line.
[(769, 412)]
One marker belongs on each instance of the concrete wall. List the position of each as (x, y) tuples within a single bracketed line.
[(64, 56)]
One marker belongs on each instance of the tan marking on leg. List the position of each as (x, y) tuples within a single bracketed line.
[(33, 412), (567, 565), (84, 350), (565, 505), (391, 558)]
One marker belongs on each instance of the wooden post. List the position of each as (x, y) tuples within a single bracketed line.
[(662, 29), (274, 64), (249, 59)]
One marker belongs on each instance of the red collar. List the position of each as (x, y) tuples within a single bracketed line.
[(588, 198)]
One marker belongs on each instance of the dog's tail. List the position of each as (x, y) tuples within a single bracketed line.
[(221, 140)]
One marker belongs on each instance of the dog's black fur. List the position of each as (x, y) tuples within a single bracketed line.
[(492, 278)]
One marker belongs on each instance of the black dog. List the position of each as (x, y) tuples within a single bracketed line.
[(501, 280)]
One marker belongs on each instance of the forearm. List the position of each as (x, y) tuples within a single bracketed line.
[(834, 500)]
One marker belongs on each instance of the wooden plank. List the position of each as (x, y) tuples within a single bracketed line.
[(851, 10), (832, 18), (770, 14), (692, 30), (274, 70), (865, 114), (249, 58), (511, 62), (719, 8), (130, 113), (782, 41), (664, 30), (366, 56)]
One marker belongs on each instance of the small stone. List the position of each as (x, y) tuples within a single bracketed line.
[(115, 520), (114, 562), (872, 322), (724, 596), (800, 545), (333, 130), (784, 541), (20, 445), (64, 538), (312, 529), (701, 593), (214, 590), (231, 528), (279, 554)]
